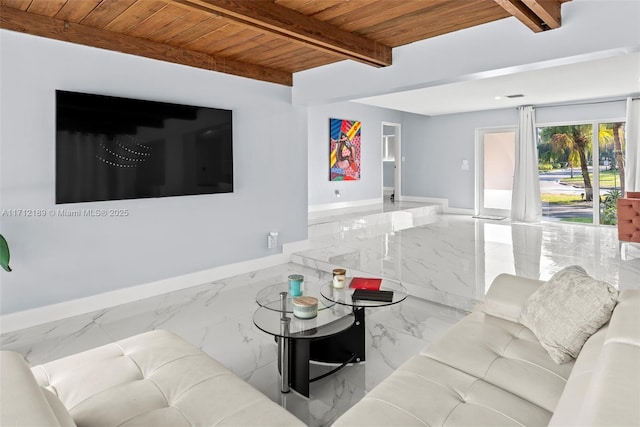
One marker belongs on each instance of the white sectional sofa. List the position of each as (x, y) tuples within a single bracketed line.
[(153, 379), (487, 370), (490, 370)]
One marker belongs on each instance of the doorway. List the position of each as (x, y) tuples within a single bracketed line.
[(391, 175), (495, 164), (581, 171)]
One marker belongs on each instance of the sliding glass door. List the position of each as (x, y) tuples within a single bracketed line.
[(612, 146), (579, 171), (565, 172)]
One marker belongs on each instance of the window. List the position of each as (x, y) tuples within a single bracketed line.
[(568, 155), (612, 146)]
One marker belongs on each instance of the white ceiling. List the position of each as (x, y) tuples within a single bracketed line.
[(615, 76)]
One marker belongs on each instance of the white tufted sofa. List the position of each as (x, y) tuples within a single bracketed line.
[(489, 370), (153, 379)]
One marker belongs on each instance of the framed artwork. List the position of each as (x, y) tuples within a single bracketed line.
[(344, 150)]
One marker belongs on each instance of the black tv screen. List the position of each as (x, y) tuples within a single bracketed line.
[(110, 148)]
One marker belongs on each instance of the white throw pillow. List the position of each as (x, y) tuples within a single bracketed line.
[(565, 311)]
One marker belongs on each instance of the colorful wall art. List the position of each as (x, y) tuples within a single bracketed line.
[(344, 142)]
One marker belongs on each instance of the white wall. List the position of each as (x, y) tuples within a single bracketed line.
[(321, 190), (588, 27), (57, 259), (434, 148), (499, 160), (387, 173)]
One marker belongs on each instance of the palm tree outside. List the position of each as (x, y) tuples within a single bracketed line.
[(572, 145), (561, 150)]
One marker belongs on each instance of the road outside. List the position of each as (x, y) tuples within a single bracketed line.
[(550, 185)]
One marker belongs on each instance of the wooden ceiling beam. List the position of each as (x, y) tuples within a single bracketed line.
[(38, 25), (547, 10), (525, 15), (294, 26)]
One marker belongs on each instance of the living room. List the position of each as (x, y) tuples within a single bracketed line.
[(65, 267)]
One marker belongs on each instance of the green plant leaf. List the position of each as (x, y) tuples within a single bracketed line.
[(4, 254)]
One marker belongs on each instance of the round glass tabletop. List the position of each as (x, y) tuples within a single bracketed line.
[(330, 321), (311, 288), (344, 295)]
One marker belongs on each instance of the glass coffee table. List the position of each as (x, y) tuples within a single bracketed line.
[(336, 336), (343, 296), (311, 288), (298, 339), (354, 339)]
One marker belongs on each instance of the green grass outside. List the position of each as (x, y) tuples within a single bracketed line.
[(560, 199), (608, 179), (584, 220)]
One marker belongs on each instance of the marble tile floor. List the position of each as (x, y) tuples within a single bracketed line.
[(452, 259), (217, 317), (366, 212), (449, 259)]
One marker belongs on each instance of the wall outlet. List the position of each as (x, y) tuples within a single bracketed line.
[(272, 240)]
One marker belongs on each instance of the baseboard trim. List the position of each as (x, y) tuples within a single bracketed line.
[(444, 202), (340, 205), (290, 248), (434, 200), (37, 316), (459, 211)]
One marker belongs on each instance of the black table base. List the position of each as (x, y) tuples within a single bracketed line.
[(343, 348)]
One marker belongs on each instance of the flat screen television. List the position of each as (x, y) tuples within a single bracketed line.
[(110, 148)]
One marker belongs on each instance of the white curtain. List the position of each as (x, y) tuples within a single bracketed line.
[(632, 160), (525, 201)]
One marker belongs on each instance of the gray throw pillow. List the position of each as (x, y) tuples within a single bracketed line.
[(566, 310)]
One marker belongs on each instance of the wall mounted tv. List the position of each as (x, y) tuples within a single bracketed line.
[(110, 148)]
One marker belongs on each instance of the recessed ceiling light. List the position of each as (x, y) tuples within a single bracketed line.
[(497, 98)]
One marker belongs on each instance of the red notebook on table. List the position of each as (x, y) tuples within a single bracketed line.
[(372, 284)]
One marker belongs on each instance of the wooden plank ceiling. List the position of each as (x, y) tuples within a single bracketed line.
[(267, 40)]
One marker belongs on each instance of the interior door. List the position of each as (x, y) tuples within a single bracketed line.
[(391, 160)]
